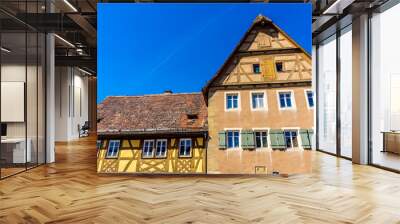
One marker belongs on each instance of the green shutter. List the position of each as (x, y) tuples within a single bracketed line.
[(250, 140), (277, 139), (247, 137), (306, 138), (243, 136), (222, 139)]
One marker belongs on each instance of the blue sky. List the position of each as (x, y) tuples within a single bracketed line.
[(149, 48)]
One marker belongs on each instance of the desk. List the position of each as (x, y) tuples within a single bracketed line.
[(13, 150), (391, 141)]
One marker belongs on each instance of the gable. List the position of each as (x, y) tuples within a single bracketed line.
[(265, 37), (279, 58)]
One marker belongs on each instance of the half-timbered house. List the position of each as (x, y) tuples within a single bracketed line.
[(260, 99), (164, 133)]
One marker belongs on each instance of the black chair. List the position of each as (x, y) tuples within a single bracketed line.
[(84, 130)]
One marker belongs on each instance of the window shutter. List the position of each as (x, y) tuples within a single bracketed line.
[(277, 139), (222, 139), (268, 69), (306, 138), (243, 136), (247, 137), (250, 140)]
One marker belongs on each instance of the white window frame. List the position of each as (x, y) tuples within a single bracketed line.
[(264, 101), (308, 103), (268, 138), (144, 144), (166, 148), (108, 149), (240, 138), (179, 148), (225, 101), (297, 129), (292, 98)]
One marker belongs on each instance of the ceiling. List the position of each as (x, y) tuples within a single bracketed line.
[(332, 15), (73, 21)]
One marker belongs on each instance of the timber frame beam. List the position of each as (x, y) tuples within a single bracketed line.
[(269, 52)]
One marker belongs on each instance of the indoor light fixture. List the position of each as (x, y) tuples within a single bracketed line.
[(64, 40), (70, 5), (84, 71), (5, 50)]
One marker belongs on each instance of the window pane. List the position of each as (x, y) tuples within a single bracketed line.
[(327, 95), (185, 147), (264, 139), (288, 101), (254, 101), (161, 148), (148, 148), (310, 98), (236, 139), (282, 101), (261, 101), (346, 93), (385, 89), (113, 148), (258, 139), (294, 139)]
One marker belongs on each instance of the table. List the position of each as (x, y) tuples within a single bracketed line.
[(391, 141), (16, 147)]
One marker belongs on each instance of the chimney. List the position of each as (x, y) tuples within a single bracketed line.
[(168, 91)]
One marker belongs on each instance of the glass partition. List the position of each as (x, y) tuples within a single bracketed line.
[(385, 89), (327, 95), (13, 95), (346, 92), (22, 88)]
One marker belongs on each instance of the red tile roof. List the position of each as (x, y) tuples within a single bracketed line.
[(162, 113)]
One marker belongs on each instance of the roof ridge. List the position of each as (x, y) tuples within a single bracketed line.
[(159, 94), (261, 17)]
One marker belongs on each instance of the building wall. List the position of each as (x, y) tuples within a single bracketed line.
[(130, 159), (282, 66), (295, 67), (245, 161)]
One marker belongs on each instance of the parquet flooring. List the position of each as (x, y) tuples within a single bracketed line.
[(70, 191)]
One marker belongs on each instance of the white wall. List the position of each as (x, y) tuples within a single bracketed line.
[(71, 102)]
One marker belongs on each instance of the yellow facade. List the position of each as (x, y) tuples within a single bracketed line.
[(130, 159)]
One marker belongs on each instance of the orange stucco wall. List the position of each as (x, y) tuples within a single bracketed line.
[(245, 161)]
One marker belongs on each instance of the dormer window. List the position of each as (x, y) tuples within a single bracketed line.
[(256, 68), (192, 116)]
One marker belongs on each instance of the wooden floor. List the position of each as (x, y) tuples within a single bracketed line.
[(387, 159), (70, 191)]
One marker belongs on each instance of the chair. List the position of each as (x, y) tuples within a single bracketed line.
[(84, 130)]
